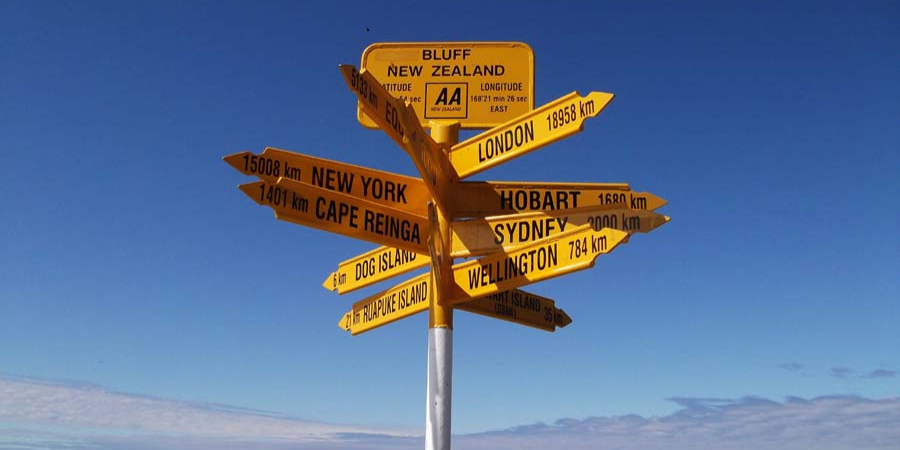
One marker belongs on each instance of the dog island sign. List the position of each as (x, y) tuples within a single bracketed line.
[(478, 84)]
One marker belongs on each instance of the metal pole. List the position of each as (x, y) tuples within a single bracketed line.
[(439, 387)]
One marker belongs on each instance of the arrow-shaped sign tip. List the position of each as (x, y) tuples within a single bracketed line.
[(562, 319), (658, 220), (603, 98), (329, 282), (235, 160), (618, 235), (347, 71), (656, 200), (252, 190), (344, 323)]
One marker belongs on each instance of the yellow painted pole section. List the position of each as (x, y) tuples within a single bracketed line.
[(446, 134)]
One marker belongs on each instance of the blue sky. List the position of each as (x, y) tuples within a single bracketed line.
[(131, 262)]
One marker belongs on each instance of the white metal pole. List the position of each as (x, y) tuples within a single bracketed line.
[(439, 388)]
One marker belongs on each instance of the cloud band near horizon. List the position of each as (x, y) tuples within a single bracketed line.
[(54, 415)]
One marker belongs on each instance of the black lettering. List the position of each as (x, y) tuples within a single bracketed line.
[(392, 227), (320, 214), (401, 193), (403, 71), (299, 203), (506, 197), (509, 140), (455, 98), (291, 172), (498, 234)]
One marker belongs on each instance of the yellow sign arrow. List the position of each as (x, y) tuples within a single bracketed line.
[(566, 253), (405, 299), (474, 237), (531, 131), (493, 198), (399, 121), (397, 191), (559, 255), (332, 211), (541, 260), (371, 267), (518, 306), (480, 199)]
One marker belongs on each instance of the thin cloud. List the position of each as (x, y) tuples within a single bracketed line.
[(824, 423), (793, 367), (62, 416), (841, 372), (42, 404), (881, 373)]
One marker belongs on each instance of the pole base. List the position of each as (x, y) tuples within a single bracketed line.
[(439, 388)]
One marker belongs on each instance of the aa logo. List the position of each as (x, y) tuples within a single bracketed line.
[(446, 100), (453, 100)]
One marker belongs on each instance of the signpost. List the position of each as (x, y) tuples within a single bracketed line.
[(555, 120), (474, 237), (477, 237), (538, 261), (518, 306), (541, 260), (371, 267), (522, 232), (410, 297), (397, 191), (315, 207), (477, 84), (493, 198), (399, 121), (484, 199)]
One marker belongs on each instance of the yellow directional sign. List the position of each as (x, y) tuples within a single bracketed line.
[(518, 306), (371, 267), (480, 199), (531, 131), (559, 255), (403, 300), (333, 211), (478, 84), (541, 260), (493, 198), (397, 191), (474, 237), (399, 121)]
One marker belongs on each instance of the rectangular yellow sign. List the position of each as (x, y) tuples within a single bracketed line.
[(494, 198), (315, 207), (397, 191), (405, 299), (372, 267), (399, 121), (474, 237), (549, 123), (541, 260), (478, 84), (518, 306)]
